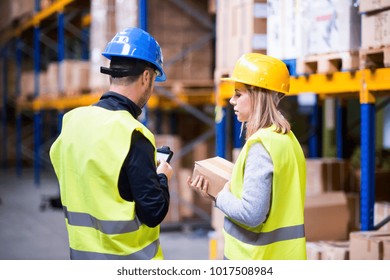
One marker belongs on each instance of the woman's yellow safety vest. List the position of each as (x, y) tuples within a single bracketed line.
[(281, 236), (87, 160)]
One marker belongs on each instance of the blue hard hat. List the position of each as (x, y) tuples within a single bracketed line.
[(136, 43)]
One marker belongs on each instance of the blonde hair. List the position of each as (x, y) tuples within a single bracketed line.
[(265, 111)]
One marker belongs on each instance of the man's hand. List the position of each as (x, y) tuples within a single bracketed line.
[(165, 168)]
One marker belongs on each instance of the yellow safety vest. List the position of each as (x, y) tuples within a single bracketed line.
[(87, 160), (282, 235)]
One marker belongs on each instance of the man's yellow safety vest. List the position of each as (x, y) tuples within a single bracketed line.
[(282, 235), (87, 160)]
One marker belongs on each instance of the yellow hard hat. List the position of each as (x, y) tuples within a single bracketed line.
[(262, 71)]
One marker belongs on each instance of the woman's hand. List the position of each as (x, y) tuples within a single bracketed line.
[(200, 185)]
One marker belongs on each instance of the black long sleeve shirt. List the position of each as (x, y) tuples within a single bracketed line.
[(138, 179)]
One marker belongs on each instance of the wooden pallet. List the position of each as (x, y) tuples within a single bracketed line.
[(375, 58), (328, 63)]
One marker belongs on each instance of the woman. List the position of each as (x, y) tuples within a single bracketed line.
[(264, 201)]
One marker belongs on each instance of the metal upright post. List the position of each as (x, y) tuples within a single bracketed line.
[(19, 46), (60, 49), (37, 113), (220, 131), (143, 14), (237, 137), (315, 142), (341, 128), (60, 58), (143, 24), (85, 39), (367, 160), (5, 101)]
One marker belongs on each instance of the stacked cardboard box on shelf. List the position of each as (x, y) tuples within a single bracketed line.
[(74, 77), (185, 40), (375, 49), (241, 28), (326, 174), (369, 245), (375, 23), (327, 250), (15, 11), (324, 36), (27, 84), (109, 17), (381, 212), (329, 210), (334, 26), (286, 28), (326, 216)]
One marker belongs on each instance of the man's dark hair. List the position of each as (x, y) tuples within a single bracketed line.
[(124, 70)]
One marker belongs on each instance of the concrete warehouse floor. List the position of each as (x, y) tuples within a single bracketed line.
[(28, 233)]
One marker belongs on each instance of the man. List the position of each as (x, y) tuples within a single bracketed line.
[(114, 197)]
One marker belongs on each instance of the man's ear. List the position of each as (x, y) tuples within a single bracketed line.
[(145, 77)]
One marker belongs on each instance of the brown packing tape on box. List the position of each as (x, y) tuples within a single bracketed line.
[(216, 170)]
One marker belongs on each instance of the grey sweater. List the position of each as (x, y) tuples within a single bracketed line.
[(252, 209)]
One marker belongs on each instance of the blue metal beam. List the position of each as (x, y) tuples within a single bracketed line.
[(18, 58), (143, 14), (85, 43), (341, 128), (37, 114), (238, 139), (60, 50), (220, 131), (315, 140), (143, 24), (367, 166), (4, 109)]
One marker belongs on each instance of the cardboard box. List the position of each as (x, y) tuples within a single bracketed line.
[(237, 34), (287, 25), (327, 250), (368, 245), (216, 170), (354, 211), (326, 174), (326, 216), (334, 26), (313, 250), (376, 30), (382, 211), (386, 250), (333, 250), (373, 5)]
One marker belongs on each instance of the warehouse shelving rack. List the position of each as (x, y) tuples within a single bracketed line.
[(187, 99), (55, 14), (365, 84)]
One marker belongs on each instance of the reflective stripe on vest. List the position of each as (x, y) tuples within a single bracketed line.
[(108, 227), (146, 253), (263, 238)]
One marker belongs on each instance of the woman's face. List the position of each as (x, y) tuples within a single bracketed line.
[(241, 102)]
